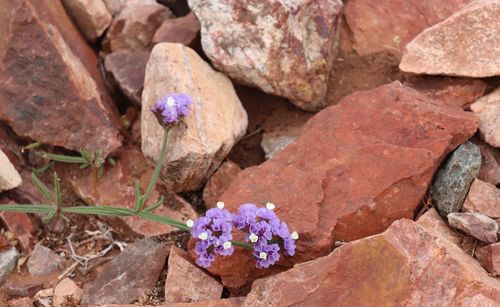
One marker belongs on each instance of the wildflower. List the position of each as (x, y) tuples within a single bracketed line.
[(171, 108), (213, 236), (266, 232)]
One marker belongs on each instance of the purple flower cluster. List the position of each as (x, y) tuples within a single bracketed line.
[(267, 235), (172, 107)]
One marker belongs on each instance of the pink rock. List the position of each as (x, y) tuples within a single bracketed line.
[(91, 16), (404, 266), (183, 30), (477, 225), (490, 166), (66, 291), (465, 44), (229, 302), (356, 168), (20, 302), (488, 110), (483, 198), (489, 257), (22, 226), (186, 282), (44, 261), (219, 182)]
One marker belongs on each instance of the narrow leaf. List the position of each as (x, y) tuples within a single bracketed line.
[(57, 188), (41, 187)]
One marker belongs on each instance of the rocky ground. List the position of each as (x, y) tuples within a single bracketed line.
[(374, 126)]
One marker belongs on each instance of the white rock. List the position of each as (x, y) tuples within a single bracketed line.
[(8, 260), (9, 177)]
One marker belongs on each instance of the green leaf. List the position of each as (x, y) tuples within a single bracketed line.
[(84, 165), (57, 188), (41, 187), (112, 161), (155, 205), (85, 154), (32, 146), (64, 158), (43, 169), (137, 195), (100, 171)]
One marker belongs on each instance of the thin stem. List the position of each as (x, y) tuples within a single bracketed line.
[(241, 244)]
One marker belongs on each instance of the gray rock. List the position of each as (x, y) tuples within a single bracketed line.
[(454, 179), (477, 225), (8, 261), (44, 261)]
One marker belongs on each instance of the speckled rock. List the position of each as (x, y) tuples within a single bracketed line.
[(9, 177), (477, 225), (465, 44), (488, 110), (455, 177), (404, 266), (198, 145), (8, 261), (285, 48), (91, 16)]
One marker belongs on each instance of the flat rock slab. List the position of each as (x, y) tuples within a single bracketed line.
[(130, 275), (488, 110), (476, 225), (404, 266), (455, 177), (52, 91), (483, 198), (356, 168), (283, 47), (465, 44), (44, 261)]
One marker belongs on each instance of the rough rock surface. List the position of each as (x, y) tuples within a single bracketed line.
[(53, 83), (432, 222), (9, 177), (128, 276), (134, 26), (198, 145), (219, 182), (8, 261), (127, 68), (275, 141), (477, 225), (91, 16), (404, 266), (465, 44), (483, 198), (20, 302), (489, 257), (454, 179), (66, 291), (44, 261), (116, 188), (22, 226), (488, 110), (284, 48), (356, 168), (183, 30), (490, 166), (186, 282)]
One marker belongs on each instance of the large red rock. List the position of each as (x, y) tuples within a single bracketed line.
[(465, 44), (52, 91), (356, 168), (404, 266)]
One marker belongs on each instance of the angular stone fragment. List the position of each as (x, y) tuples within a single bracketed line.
[(488, 110), (127, 69), (134, 26), (356, 168), (477, 225), (433, 223), (22, 226), (116, 188), (8, 261), (186, 282), (183, 30), (66, 292), (52, 91), (489, 257), (197, 146), (91, 16), (130, 275), (219, 182), (490, 167), (44, 261), (20, 302), (465, 44), (9, 177), (404, 266), (284, 48), (454, 179), (483, 198)]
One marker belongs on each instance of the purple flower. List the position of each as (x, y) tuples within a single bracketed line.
[(172, 107), (213, 235)]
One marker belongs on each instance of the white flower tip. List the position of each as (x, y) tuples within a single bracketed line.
[(189, 223), (220, 205), (270, 206), (203, 236), (263, 255), (295, 235), (227, 245), (253, 238), (170, 102)]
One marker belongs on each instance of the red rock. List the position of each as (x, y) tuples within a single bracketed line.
[(44, 261), (219, 182), (133, 28), (127, 68), (432, 222), (66, 291), (116, 188), (53, 83), (476, 225), (489, 257), (455, 92), (464, 44), (91, 16), (487, 110), (20, 302), (483, 198), (183, 30), (130, 275), (26, 285), (490, 167), (22, 226), (404, 266), (188, 283), (229, 302), (356, 168)]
